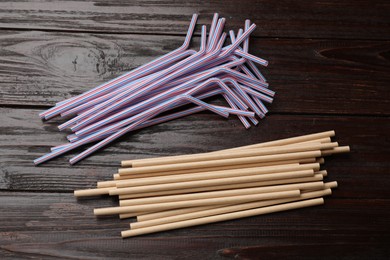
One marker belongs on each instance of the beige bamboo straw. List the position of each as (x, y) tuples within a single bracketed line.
[(316, 177), (330, 185), (228, 167), (322, 137), (157, 215), (92, 192), (190, 157), (223, 217), (131, 214), (234, 161), (173, 212), (199, 202), (212, 182), (227, 209), (237, 154), (287, 141), (323, 172), (216, 174), (224, 193), (341, 149), (105, 191), (319, 160), (170, 212)]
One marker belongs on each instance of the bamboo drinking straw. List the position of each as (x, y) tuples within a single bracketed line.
[(92, 192), (148, 216), (217, 194), (103, 191), (228, 167), (212, 182), (291, 140), (130, 163), (237, 154), (227, 209), (159, 215), (216, 174), (316, 177), (167, 213), (199, 202), (224, 162), (287, 141), (187, 190), (223, 217), (174, 212), (341, 149)]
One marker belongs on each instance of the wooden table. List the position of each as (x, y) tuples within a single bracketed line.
[(329, 63)]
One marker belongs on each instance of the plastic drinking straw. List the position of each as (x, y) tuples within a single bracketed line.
[(239, 76), (235, 74), (257, 94), (130, 111), (133, 93), (255, 70), (246, 44), (245, 97), (154, 121), (241, 118), (192, 91), (260, 104), (128, 99), (142, 117), (108, 112), (76, 119), (168, 93), (106, 87), (121, 89), (203, 96), (212, 28), (91, 137), (205, 105)]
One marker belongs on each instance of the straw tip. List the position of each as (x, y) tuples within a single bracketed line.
[(36, 162), (125, 233), (72, 161)]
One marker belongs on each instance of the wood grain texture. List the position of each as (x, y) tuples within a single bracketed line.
[(46, 232), (305, 19), (24, 137), (329, 63), (309, 76)]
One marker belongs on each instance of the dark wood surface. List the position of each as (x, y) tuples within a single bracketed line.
[(329, 63)]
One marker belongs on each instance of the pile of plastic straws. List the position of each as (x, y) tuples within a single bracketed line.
[(184, 76), (167, 193)]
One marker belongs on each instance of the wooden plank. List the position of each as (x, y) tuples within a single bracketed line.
[(310, 76), (308, 19), (23, 137), (52, 225), (358, 250)]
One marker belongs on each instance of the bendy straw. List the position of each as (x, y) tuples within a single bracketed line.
[(181, 77)]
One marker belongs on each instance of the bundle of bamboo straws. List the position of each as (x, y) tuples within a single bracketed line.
[(187, 190)]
